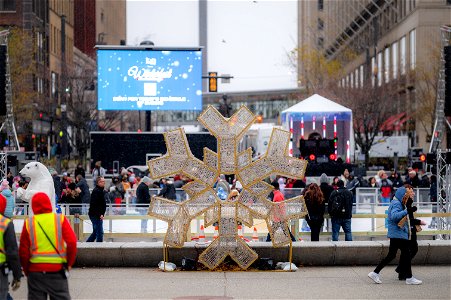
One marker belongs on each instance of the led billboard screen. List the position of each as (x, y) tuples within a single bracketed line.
[(149, 79)]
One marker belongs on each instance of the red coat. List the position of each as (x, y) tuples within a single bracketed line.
[(40, 205), (279, 210)]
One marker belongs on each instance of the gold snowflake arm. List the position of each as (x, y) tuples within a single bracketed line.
[(228, 132), (280, 214), (275, 161)]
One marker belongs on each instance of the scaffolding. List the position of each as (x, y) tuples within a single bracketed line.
[(3, 165), (440, 120), (444, 191), (8, 121)]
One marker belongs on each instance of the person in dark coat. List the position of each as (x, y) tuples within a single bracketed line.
[(143, 199), (341, 219), (168, 190), (82, 189), (325, 187), (80, 171), (396, 179), (97, 208), (314, 200), (412, 179), (57, 185)]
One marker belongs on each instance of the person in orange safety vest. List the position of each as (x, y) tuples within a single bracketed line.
[(48, 247)]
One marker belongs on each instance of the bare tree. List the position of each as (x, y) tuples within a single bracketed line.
[(81, 108), (22, 66), (371, 106)]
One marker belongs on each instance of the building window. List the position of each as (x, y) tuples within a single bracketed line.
[(387, 64), (351, 76), (320, 24), (402, 49), (54, 90), (413, 50), (379, 69), (320, 4), (394, 53), (448, 2), (7, 5)]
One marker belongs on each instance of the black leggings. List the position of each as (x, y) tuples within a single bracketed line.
[(315, 228), (404, 260)]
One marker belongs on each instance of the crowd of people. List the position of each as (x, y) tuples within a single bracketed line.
[(337, 196)]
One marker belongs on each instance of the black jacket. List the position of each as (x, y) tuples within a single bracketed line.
[(168, 191), (142, 194), (315, 209), (97, 206), (12, 251), (348, 202), (84, 195), (327, 189)]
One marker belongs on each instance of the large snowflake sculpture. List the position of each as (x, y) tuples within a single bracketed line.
[(252, 201)]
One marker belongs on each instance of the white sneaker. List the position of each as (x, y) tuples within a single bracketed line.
[(413, 280), (375, 277)]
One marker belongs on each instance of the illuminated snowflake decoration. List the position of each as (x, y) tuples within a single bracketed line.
[(252, 201)]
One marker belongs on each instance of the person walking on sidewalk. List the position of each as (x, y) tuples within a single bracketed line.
[(399, 235), (48, 247), (97, 208)]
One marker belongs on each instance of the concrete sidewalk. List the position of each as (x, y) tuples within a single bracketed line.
[(306, 283)]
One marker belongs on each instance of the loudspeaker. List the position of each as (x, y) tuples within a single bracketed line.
[(189, 264), (431, 159), (266, 264)]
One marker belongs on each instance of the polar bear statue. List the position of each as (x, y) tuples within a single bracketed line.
[(40, 181)]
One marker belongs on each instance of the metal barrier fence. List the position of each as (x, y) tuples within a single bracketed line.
[(126, 220)]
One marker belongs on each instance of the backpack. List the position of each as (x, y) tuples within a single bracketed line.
[(337, 205)]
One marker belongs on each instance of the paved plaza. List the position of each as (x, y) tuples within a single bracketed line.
[(306, 283)]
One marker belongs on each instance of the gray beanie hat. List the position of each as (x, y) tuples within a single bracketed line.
[(146, 179), (323, 179)]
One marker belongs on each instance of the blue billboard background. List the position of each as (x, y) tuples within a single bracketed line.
[(134, 79)]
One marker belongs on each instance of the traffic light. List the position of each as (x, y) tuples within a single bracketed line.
[(259, 119), (447, 56), (423, 157), (213, 82)]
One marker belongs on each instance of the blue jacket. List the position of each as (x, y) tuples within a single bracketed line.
[(10, 203), (396, 211)]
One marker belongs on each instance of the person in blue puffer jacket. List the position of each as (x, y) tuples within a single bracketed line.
[(10, 203), (399, 234)]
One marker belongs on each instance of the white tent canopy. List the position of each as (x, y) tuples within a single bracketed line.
[(320, 115), (316, 103)]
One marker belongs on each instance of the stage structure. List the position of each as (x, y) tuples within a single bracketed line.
[(252, 202), (323, 117)]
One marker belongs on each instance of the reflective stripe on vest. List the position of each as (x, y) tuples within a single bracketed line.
[(42, 250), (4, 221)]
